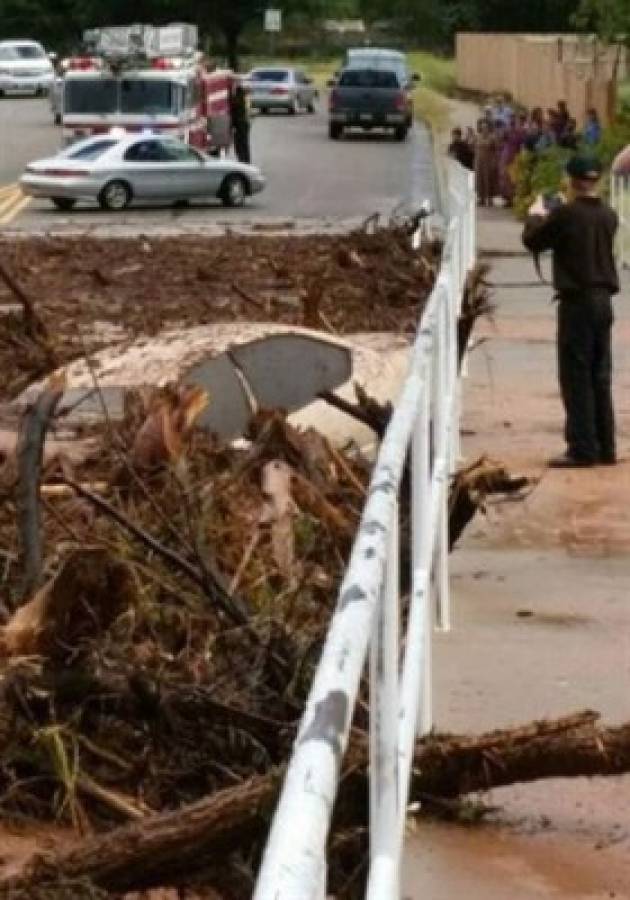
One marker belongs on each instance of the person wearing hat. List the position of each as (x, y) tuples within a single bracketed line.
[(580, 234)]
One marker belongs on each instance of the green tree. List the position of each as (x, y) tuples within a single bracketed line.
[(609, 19)]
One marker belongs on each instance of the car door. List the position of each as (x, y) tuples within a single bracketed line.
[(144, 169), (185, 171)]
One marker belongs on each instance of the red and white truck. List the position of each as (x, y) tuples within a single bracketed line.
[(142, 78)]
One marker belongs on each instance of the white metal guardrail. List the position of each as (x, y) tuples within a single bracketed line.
[(620, 202), (425, 422)]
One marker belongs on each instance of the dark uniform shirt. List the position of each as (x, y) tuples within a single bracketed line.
[(463, 153), (581, 235)]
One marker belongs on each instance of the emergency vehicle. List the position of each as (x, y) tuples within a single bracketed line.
[(142, 77)]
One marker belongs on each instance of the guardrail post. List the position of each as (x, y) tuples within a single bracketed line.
[(384, 650), (420, 537), (441, 460)]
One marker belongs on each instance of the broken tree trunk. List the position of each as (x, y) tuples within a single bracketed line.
[(30, 452), (170, 847)]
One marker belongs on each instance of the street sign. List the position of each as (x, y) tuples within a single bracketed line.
[(273, 20)]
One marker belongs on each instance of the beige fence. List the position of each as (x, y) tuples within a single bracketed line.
[(539, 70)]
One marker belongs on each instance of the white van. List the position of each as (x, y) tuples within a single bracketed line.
[(25, 68)]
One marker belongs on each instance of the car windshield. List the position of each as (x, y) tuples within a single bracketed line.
[(143, 95), (270, 75), (92, 150), (368, 78), (22, 51), (91, 95)]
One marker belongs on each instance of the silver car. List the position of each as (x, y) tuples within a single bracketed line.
[(280, 88), (24, 68), (114, 170)]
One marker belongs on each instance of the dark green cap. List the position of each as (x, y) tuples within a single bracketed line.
[(586, 167)]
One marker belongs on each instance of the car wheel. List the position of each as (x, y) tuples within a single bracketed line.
[(293, 107), (116, 195), (310, 107), (400, 132), (64, 203), (57, 118), (263, 110), (233, 191), (334, 131)]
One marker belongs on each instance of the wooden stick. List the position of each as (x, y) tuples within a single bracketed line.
[(33, 325)]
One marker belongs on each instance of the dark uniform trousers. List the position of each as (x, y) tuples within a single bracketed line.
[(241, 141), (585, 370)]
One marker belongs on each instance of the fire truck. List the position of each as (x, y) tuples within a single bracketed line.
[(142, 77)]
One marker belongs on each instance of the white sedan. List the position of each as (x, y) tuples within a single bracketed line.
[(114, 170)]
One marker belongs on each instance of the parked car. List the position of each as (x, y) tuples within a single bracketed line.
[(370, 98), (280, 88), (115, 170), (25, 68)]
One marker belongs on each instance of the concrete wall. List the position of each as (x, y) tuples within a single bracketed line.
[(539, 70)]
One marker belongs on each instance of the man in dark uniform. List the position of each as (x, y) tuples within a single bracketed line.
[(581, 234), (239, 116)]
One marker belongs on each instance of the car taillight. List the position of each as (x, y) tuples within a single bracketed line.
[(67, 173), (400, 101), (333, 99)]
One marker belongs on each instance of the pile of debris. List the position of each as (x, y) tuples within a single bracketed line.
[(165, 593), (91, 293), (166, 601)]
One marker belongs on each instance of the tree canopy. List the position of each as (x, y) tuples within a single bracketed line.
[(433, 22)]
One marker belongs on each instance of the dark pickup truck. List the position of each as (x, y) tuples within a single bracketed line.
[(370, 98)]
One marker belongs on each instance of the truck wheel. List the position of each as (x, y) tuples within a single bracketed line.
[(400, 132), (335, 131), (233, 191), (116, 195), (64, 203)]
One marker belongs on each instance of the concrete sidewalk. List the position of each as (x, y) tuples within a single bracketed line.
[(541, 611)]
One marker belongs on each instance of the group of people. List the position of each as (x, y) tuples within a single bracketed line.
[(503, 132)]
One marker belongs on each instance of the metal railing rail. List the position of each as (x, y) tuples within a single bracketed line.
[(620, 202), (425, 423)]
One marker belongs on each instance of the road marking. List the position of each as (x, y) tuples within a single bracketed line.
[(12, 204), (7, 189)]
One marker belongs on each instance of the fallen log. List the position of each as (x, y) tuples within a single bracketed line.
[(170, 847)]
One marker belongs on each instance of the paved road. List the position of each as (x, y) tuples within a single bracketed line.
[(309, 176)]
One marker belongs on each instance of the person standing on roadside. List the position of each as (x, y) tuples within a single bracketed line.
[(581, 235), (486, 157), (239, 118)]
